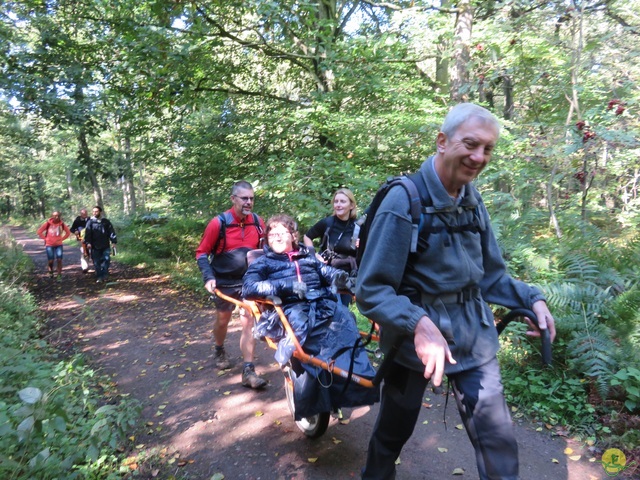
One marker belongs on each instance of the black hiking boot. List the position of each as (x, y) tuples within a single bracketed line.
[(251, 379), (220, 360)]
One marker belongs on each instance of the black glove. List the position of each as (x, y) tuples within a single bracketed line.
[(341, 280), (300, 289)]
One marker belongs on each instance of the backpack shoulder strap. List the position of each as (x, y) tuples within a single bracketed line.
[(258, 225), (419, 201), (256, 222), (415, 189), (222, 233), (327, 232)]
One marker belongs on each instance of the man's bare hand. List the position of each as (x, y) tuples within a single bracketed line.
[(210, 286), (432, 350), (545, 320)]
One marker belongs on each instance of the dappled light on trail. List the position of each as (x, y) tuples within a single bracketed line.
[(155, 344)]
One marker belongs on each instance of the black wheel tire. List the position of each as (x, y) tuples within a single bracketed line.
[(314, 426)]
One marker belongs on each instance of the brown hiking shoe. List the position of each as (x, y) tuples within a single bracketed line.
[(221, 361), (251, 379)]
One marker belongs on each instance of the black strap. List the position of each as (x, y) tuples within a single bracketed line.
[(327, 232), (223, 229), (351, 364)]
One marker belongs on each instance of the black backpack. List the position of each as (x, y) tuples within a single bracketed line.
[(228, 222), (420, 209)]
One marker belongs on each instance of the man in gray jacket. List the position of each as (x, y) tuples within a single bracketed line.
[(432, 304)]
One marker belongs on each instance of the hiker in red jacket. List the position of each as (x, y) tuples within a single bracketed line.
[(54, 231), (222, 259)]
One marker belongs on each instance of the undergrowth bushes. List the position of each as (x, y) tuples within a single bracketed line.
[(58, 418), (166, 246), (592, 291)]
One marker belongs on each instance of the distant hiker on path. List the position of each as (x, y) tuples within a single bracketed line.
[(77, 228), (431, 304), (54, 232), (222, 259), (98, 236)]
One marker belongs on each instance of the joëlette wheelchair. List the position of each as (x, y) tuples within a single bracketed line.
[(316, 424)]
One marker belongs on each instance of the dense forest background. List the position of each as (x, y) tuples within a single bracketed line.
[(153, 108)]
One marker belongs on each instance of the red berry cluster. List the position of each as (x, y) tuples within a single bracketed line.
[(580, 176), (587, 133), (620, 105)]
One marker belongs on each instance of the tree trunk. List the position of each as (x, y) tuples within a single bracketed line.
[(442, 71), (442, 62), (128, 187), (69, 185), (507, 88), (84, 157), (141, 181), (462, 39), (322, 69), (552, 213)]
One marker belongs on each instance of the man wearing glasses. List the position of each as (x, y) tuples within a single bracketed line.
[(222, 259)]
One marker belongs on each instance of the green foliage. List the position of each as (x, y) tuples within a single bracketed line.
[(552, 395), (54, 420), (301, 98), (165, 245), (629, 379)]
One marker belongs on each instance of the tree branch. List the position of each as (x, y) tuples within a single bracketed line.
[(235, 90), (397, 8), (614, 16)]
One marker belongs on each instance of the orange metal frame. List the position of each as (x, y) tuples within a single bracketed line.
[(253, 307)]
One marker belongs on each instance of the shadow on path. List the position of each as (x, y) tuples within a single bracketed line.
[(155, 343)]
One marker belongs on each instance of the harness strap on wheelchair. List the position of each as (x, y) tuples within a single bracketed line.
[(369, 337), (351, 363)]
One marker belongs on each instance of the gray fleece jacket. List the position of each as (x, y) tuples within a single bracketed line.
[(396, 293)]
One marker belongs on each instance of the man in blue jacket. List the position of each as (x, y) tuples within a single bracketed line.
[(432, 304)]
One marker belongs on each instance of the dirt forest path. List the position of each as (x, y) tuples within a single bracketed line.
[(155, 343)]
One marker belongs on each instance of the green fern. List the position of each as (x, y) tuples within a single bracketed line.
[(624, 312), (571, 298), (592, 352), (579, 267), (579, 308)]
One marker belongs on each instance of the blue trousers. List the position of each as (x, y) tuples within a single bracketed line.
[(101, 261), (485, 415)]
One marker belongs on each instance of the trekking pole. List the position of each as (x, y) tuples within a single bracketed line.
[(545, 336)]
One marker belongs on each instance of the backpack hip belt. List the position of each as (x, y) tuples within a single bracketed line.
[(462, 296)]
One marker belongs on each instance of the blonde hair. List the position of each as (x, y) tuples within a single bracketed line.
[(349, 194)]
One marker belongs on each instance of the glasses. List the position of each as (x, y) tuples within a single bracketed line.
[(278, 235), (245, 199)]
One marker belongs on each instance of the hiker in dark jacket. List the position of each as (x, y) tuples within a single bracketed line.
[(322, 325), (98, 236), (338, 235), (432, 305), (77, 229)]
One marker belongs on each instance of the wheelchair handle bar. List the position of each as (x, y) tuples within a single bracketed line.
[(545, 337)]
